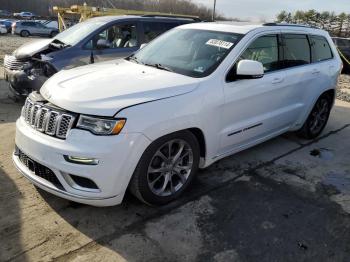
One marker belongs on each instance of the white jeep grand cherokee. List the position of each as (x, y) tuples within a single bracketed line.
[(194, 95)]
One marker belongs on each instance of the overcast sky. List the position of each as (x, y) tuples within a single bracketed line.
[(267, 9)]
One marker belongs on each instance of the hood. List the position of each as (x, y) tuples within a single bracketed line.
[(104, 89), (31, 48)]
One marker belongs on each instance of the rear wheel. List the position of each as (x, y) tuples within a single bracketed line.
[(166, 168), (317, 120), (24, 33)]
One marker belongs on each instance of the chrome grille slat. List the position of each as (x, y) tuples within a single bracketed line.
[(12, 63), (40, 121), (47, 120), (33, 113), (51, 123)]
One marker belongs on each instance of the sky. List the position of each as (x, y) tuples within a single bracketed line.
[(258, 10)]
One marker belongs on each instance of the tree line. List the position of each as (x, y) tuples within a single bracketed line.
[(336, 24), (44, 7)]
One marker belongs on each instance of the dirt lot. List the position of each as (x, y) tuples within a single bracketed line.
[(285, 200)]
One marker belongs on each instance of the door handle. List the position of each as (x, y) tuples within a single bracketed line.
[(315, 71), (277, 80)]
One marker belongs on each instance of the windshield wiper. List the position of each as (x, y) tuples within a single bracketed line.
[(161, 67), (133, 59)]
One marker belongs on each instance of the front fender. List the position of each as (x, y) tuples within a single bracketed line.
[(198, 109)]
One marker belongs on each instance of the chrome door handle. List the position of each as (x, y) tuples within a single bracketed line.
[(277, 80)]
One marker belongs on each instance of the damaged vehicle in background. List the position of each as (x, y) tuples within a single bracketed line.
[(95, 40)]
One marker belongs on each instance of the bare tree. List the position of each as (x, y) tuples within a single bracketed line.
[(336, 25)]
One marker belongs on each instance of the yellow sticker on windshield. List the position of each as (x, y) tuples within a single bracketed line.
[(219, 43)]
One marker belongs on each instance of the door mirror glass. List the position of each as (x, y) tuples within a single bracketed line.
[(102, 44), (249, 69)]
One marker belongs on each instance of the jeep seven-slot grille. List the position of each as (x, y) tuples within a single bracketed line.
[(40, 170), (47, 120)]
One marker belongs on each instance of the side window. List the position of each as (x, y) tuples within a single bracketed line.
[(28, 24), (116, 36), (154, 29), (320, 49), (264, 50), (39, 25), (296, 50), (342, 43)]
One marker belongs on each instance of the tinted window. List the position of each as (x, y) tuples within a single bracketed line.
[(343, 43), (296, 50), (264, 50), (40, 25), (116, 36), (320, 49), (28, 24), (154, 29)]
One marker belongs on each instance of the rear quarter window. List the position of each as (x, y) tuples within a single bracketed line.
[(320, 48), (296, 50)]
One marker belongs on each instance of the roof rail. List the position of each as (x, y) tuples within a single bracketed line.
[(286, 24), (195, 18)]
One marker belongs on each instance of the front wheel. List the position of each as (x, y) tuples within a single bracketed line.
[(317, 120), (166, 168)]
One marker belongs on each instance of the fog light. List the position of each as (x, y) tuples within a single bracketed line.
[(81, 160)]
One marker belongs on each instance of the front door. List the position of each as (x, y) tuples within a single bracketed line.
[(120, 40), (257, 109)]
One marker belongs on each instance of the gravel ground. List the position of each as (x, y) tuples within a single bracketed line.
[(8, 43), (343, 91)]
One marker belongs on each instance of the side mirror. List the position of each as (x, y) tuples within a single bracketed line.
[(249, 69), (103, 44), (143, 45)]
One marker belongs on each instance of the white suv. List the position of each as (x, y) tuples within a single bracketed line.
[(194, 95)]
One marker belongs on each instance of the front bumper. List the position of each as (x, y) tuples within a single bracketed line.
[(117, 155), (21, 84)]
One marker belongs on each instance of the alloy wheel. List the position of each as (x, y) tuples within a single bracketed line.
[(319, 116), (170, 167)]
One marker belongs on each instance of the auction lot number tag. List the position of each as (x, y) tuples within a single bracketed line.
[(219, 43)]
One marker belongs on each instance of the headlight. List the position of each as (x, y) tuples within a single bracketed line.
[(101, 126)]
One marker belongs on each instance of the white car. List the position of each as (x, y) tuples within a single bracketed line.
[(3, 29), (194, 95)]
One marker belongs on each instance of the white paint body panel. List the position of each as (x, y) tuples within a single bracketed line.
[(156, 103)]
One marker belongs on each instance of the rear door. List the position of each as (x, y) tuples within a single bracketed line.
[(302, 75), (41, 29)]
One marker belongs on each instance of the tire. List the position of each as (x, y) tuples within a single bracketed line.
[(317, 119), (25, 33), (53, 34), (174, 176)]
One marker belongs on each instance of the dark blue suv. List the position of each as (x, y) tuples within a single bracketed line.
[(95, 40)]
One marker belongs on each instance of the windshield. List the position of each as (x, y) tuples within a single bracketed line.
[(191, 52), (76, 33)]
